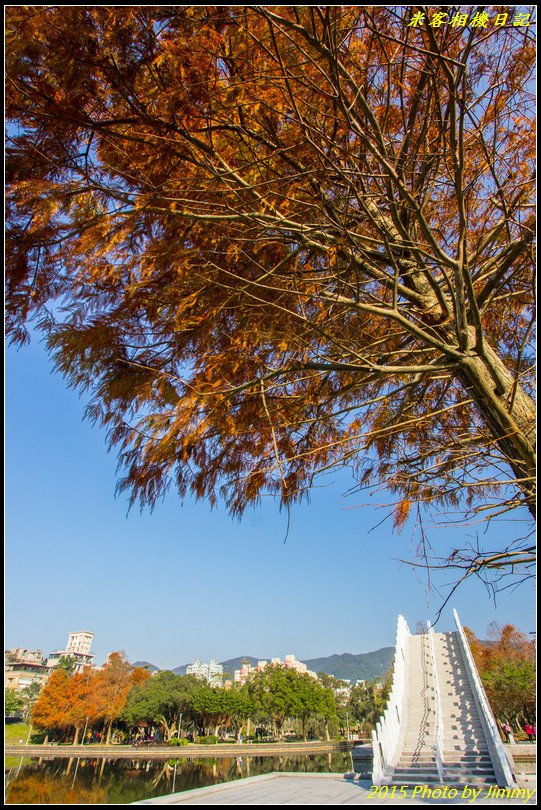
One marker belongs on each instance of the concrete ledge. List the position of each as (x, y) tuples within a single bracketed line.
[(333, 789), (198, 793), (191, 751)]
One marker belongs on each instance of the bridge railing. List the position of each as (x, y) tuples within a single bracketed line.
[(385, 737), (502, 769), (437, 746)]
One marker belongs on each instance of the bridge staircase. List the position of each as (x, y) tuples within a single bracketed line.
[(437, 728)]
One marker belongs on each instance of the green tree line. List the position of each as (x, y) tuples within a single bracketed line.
[(127, 702)]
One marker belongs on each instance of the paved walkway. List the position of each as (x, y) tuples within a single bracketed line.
[(173, 752), (316, 789)]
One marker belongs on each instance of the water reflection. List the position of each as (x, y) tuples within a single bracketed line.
[(120, 781)]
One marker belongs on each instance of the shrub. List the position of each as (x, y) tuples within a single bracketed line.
[(211, 739)]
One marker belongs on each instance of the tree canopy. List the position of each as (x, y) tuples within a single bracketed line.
[(507, 665), (272, 241), (52, 707), (13, 701), (215, 706), (112, 685), (161, 699), (279, 693)]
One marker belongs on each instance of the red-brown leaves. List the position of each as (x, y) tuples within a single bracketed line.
[(282, 237)]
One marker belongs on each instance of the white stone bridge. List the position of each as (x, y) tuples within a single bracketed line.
[(437, 727)]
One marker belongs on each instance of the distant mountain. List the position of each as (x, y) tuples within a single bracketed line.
[(236, 663), (145, 665), (349, 667), (229, 666)]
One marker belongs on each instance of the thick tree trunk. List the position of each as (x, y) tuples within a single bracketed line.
[(508, 412), (506, 409), (109, 729)]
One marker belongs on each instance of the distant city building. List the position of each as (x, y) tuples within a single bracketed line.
[(290, 662), (24, 667), (77, 648), (345, 691), (80, 643), (213, 672)]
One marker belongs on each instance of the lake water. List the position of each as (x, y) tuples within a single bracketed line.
[(121, 781)]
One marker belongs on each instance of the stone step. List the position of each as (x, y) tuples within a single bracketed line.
[(415, 773), (405, 762), (463, 717), (460, 768), (449, 753), (463, 735), (413, 750), (469, 728), (470, 780), (411, 779)]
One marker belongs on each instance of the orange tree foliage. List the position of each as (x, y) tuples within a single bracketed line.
[(81, 701), (66, 702), (112, 684), (139, 675), (52, 707), (275, 240), (88, 698), (507, 665), (44, 789)]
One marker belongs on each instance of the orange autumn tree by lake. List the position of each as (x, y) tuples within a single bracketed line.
[(92, 699), (506, 661), (112, 685), (67, 703), (52, 707), (274, 241)]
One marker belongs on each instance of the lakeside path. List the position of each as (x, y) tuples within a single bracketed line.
[(191, 751), (293, 788)]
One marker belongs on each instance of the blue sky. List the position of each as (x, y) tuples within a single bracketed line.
[(187, 582)]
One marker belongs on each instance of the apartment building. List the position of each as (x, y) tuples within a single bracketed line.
[(290, 662), (212, 672), (24, 667), (77, 648)]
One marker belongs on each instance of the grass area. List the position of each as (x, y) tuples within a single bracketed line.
[(15, 732), (14, 762)]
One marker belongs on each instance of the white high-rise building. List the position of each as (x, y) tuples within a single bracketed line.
[(242, 674), (212, 672), (80, 642), (77, 648)]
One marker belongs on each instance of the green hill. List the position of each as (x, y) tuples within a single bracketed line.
[(349, 667), (145, 665)]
